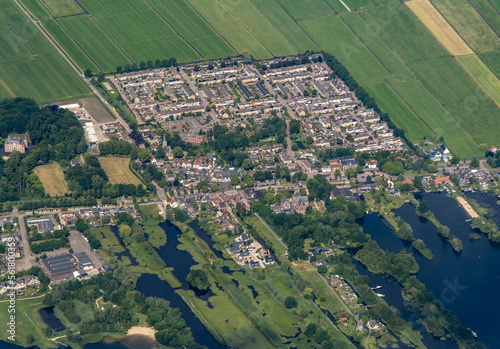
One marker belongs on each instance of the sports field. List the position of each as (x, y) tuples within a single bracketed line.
[(118, 171), (439, 27), (52, 178)]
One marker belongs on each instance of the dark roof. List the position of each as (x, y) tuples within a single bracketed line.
[(245, 90), (44, 224), (83, 259), (106, 267), (59, 265)]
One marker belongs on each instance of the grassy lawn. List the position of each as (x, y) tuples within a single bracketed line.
[(149, 210), (306, 9), (36, 8), (26, 318), (107, 238), (52, 178), (118, 171)]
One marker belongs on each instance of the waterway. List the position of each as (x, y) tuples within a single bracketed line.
[(182, 261), (466, 282)]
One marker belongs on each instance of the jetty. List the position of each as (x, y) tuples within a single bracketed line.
[(467, 207)]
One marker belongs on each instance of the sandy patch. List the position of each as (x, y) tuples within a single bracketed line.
[(439, 27), (143, 331)]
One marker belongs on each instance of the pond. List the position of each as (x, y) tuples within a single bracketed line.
[(50, 319)]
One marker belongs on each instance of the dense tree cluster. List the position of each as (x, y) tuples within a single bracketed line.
[(198, 279), (55, 134), (115, 147)]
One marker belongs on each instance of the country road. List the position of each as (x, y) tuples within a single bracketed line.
[(71, 64)]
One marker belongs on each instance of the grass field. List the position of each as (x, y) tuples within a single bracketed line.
[(437, 118), (334, 36), (118, 171), (139, 30), (107, 238), (33, 68), (469, 24), (354, 4), (378, 47), (264, 232), (439, 27), (227, 25), (52, 178), (26, 318), (488, 12), (446, 79), (402, 116), (192, 27), (261, 28), (285, 24), (60, 8), (89, 37), (403, 32), (79, 57), (36, 8), (306, 8), (483, 76)]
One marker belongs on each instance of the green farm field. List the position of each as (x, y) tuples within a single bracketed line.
[(469, 24), (437, 118), (139, 30), (334, 36), (192, 27), (60, 8), (118, 171), (355, 4), (87, 35), (36, 9), (377, 46), (307, 8), (402, 116), (285, 24)]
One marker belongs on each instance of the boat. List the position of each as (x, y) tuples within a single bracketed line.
[(474, 334), (376, 287), (380, 295)]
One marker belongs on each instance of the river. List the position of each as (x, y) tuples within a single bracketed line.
[(466, 282)]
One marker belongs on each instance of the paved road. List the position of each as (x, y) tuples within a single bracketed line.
[(72, 65), (28, 259)]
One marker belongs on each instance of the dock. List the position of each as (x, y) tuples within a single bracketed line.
[(468, 208)]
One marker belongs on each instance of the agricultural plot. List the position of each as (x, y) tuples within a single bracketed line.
[(469, 24), (88, 36), (488, 12), (266, 33), (11, 47), (492, 61), (52, 177), (5, 90), (402, 116), (285, 24), (192, 27), (479, 119), (228, 26), (483, 77), (378, 47), (139, 30), (355, 4), (306, 8), (437, 118), (495, 4), (336, 5), (403, 32), (79, 57), (446, 79), (10, 13), (60, 8), (118, 171), (36, 8), (439, 27), (334, 36)]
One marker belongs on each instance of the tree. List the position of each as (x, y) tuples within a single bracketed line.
[(322, 269), (180, 215), (423, 207), (215, 187), (178, 152), (198, 279), (311, 329), (247, 164), (290, 302), (81, 225), (87, 73), (474, 163), (30, 338), (235, 180), (143, 154)]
